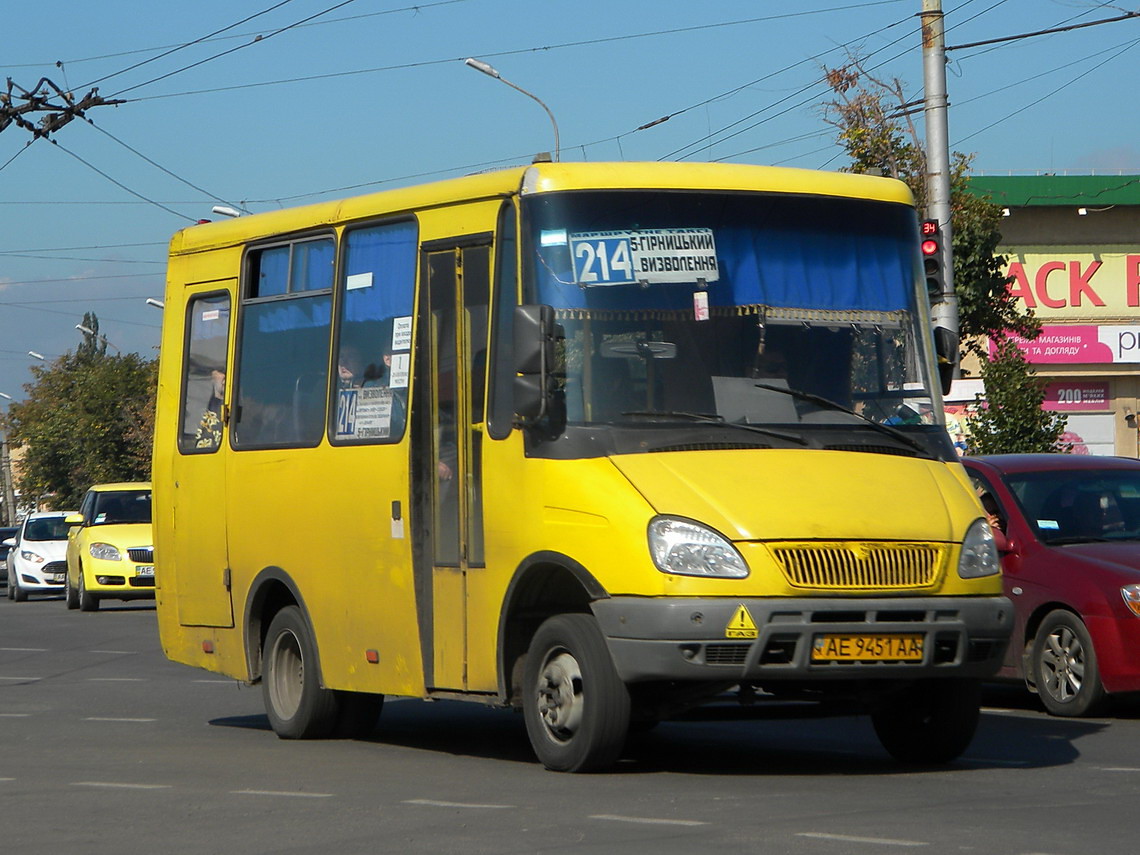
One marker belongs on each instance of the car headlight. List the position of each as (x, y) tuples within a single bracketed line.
[(979, 552), (28, 555), (1131, 594), (686, 548), (105, 552)]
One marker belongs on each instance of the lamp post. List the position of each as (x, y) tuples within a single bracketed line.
[(491, 72), (6, 469)]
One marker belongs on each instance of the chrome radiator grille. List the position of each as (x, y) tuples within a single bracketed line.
[(860, 566)]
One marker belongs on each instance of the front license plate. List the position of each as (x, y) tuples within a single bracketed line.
[(144, 570), (861, 647), (58, 578)]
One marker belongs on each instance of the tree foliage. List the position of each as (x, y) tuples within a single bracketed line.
[(1019, 424), (875, 127), (88, 418)]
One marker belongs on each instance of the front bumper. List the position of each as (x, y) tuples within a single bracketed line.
[(39, 577), (699, 639)]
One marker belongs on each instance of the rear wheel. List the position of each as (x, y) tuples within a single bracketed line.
[(357, 714), (297, 706), (931, 722), (88, 602), (576, 707), (1065, 667)]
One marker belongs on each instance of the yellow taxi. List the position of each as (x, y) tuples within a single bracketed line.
[(110, 552)]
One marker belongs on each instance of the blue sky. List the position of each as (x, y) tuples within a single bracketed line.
[(374, 94)]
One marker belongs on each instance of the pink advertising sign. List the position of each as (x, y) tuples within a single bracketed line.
[(1075, 395), (1081, 344)]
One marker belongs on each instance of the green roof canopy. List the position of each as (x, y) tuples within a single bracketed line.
[(1019, 191)]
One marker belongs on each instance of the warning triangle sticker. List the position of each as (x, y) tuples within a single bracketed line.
[(741, 624)]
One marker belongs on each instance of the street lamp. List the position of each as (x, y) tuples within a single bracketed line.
[(158, 304), (93, 334), (35, 355), (491, 72)]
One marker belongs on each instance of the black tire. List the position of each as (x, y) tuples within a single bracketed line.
[(69, 595), (15, 592), (576, 707), (88, 602), (357, 715), (931, 722), (297, 706), (1065, 666)]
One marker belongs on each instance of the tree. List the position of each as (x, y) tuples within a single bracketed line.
[(875, 127), (88, 418), (1018, 423)]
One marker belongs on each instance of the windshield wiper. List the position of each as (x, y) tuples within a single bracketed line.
[(718, 421), (828, 404)]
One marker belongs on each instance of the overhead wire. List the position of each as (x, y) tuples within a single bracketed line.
[(256, 41)]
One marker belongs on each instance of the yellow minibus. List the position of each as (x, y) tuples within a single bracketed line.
[(596, 441)]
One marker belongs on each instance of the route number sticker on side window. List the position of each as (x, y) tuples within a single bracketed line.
[(651, 255)]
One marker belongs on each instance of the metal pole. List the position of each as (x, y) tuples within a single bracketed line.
[(490, 71), (9, 493), (944, 313)]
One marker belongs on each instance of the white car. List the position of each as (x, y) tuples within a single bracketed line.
[(37, 560)]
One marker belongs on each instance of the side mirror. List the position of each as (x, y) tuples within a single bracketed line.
[(535, 335), (73, 519), (10, 542), (946, 350)]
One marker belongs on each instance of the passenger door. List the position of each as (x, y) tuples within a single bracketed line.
[(200, 561), (447, 442)]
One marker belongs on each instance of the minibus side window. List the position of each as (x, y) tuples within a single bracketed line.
[(373, 356), (282, 366), (204, 374)]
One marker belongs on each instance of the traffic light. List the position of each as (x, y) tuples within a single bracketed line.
[(932, 260)]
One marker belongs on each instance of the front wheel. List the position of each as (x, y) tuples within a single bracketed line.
[(297, 705), (69, 595), (88, 602), (15, 592), (1064, 666), (576, 707), (931, 722)]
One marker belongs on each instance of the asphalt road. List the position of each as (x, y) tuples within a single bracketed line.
[(105, 747)]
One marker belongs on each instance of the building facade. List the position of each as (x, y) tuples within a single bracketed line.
[(1073, 244)]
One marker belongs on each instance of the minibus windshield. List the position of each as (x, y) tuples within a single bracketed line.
[(789, 312)]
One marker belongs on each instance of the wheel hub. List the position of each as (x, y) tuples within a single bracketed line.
[(560, 700)]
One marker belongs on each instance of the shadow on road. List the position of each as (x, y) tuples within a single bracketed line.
[(728, 739)]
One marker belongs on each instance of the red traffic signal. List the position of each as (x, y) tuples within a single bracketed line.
[(931, 247)]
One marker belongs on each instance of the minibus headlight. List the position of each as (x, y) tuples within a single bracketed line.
[(105, 552), (979, 552), (687, 548)]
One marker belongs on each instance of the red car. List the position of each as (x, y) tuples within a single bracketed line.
[(1069, 536)]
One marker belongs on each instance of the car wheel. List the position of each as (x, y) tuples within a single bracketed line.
[(930, 722), (1065, 666), (15, 592), (88, 602), (69, 595), (577, 709), (297, 705)]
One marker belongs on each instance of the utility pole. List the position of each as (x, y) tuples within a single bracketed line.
[(944, 312)]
